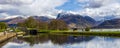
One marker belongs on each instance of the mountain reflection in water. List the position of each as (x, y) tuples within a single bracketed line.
[(62, 41), (56, 39)]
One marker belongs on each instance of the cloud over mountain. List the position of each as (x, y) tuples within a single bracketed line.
[(94, 8), (29, 7), (100, 8)]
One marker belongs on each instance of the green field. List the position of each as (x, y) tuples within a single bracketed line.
[(116, 33)]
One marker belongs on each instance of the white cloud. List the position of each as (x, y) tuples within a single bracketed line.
[(97, 42), (42, 7), (16, 2), (94, 8), (100, 8), (30, 7), (4, 16), (97, 3)]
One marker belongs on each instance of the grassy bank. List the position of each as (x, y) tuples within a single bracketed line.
[(91, 33), (2, 30), (76, 33), (116, 33), (47, 31)]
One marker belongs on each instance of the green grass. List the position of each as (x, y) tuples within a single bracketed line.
[(17, 30), (53, 31), (2, 30), (115, 33), (67, 32), (89, 33)]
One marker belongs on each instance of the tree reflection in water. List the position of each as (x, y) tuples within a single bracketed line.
[(56, 39)]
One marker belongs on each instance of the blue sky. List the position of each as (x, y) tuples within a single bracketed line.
[(71, 5), (93, 8)]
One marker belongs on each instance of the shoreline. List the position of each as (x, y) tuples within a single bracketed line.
[(8, 36), (113, 34)]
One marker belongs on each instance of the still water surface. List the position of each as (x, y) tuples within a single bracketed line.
[(62, 41)]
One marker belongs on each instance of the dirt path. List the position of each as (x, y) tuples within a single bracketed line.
[(1, 33), (6, 36)]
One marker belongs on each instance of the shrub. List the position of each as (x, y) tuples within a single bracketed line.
[(87, 29)]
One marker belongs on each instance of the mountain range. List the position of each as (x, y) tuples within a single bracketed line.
[(79, 21), (76, 19), (113, 23)]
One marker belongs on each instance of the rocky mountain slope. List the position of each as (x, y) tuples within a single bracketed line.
[(113, 23), (76, 19)]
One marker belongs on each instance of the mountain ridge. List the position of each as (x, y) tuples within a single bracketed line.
[(78, 20)]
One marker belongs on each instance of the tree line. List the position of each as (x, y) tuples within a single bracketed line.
[(41, 25), (3, 25)]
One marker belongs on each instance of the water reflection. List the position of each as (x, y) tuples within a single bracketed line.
[(56, 39), (63, 41)]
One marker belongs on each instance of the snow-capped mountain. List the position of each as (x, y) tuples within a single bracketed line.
[(113, 23), (68, 17), (15, 20), (78, 20)]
